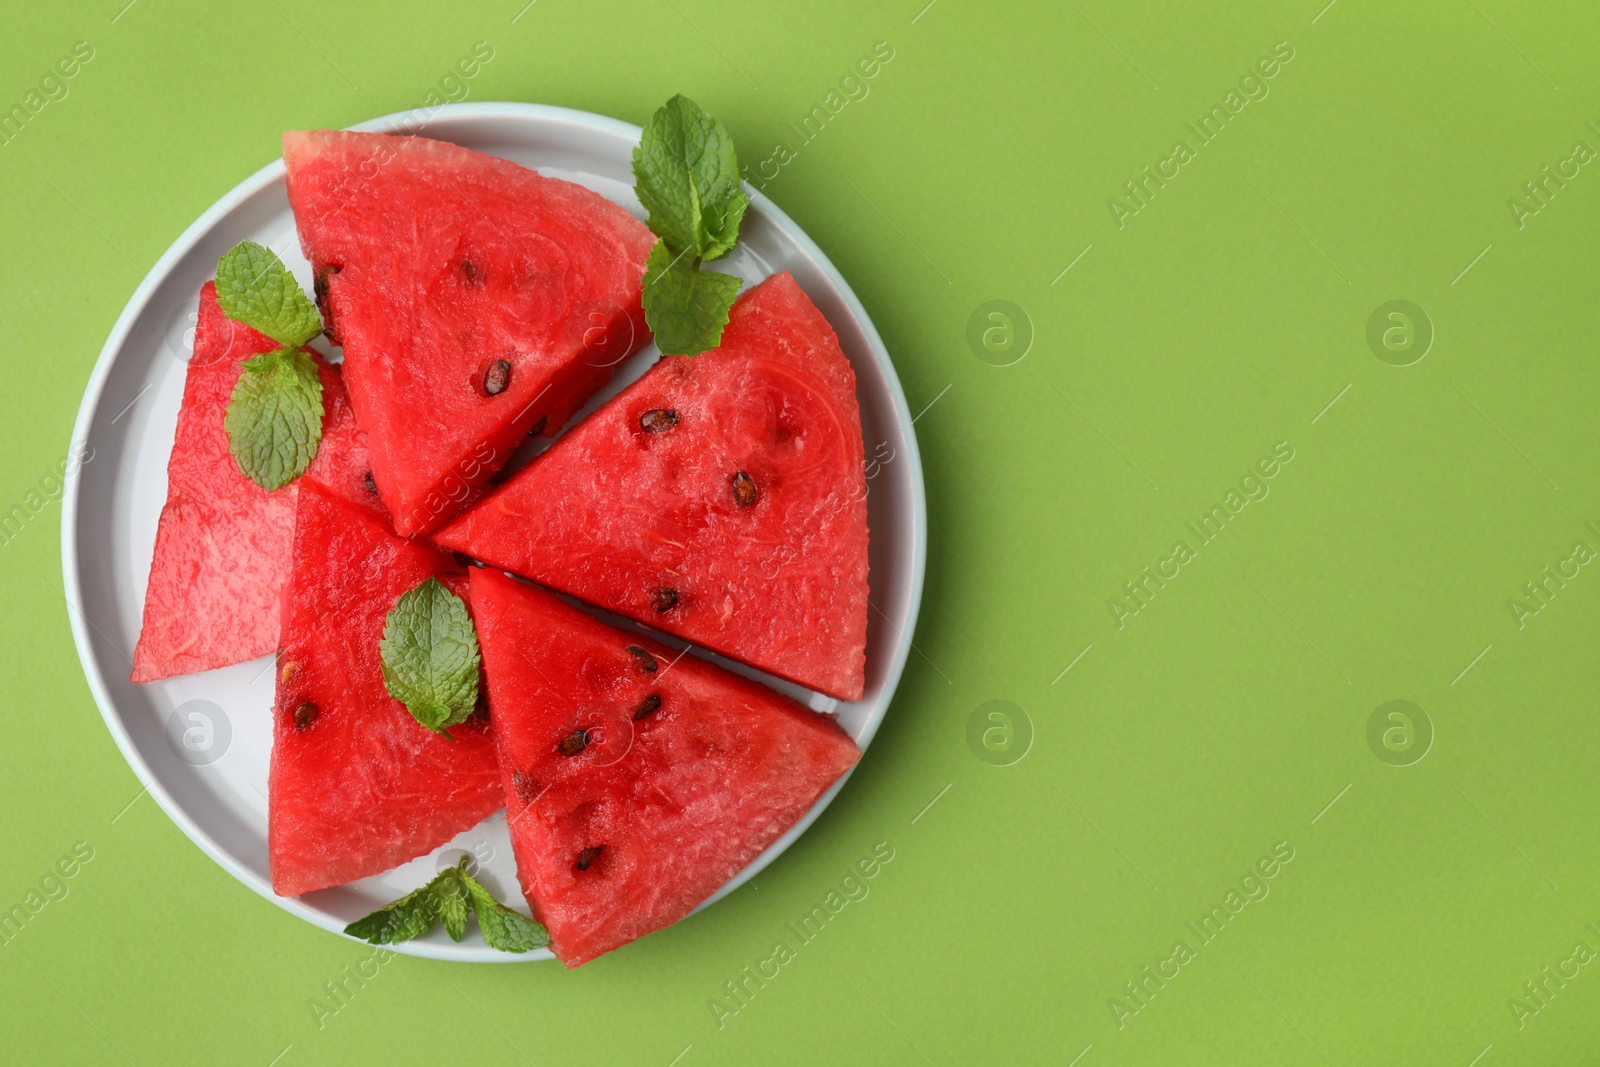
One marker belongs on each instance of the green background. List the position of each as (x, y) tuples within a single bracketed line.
[(1230, 714)]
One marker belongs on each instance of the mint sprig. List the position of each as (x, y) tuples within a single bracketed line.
[(274, 417), (687, 178), (255, 288), (430, 656), (448, 899)]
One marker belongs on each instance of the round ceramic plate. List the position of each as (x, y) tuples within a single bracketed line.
[(201, 743)]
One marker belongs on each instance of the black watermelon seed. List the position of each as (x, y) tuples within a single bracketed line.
[(372, 486), (305, 715), (744, 490), (666, 599), (469, 270), (658, 421), (526, 786), (573, 743), (538, 428), (646, 661), (497, 378), (319, 285), (648, 708), (588, 856)]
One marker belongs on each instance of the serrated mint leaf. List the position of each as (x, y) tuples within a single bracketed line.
[(687, 177), (430, 656), (411, 916), (502, 928), (255, 288), (686, 307), (274, 417), (453, 902)]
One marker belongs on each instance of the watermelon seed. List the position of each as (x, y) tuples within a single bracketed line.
[(573, 743), (497, 377), (588, 856), (538, 428), (366, 480), (744, 490), (319, 286), (525, 785), (666, 599), (658, 421), (305, 715), (647, 662), (470, 271), (648, 708)]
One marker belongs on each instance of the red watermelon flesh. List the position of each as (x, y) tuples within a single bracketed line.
[(222, 544), (679, 775), (650, 524), (435, 264), (362, 786)]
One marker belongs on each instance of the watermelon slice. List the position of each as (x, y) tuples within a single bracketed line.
[(358, 785), (223, 543), (637, 780), (720, 498), (475, 299)]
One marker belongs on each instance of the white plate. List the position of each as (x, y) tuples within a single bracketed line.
[(201, 743)]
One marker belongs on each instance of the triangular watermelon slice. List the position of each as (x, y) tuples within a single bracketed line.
[(720, 498), (223, 543), (637, 780), (476, 301), (358, 785)]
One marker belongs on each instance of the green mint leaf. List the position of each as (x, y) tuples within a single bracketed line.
[(688, 179), (453, 902), (411, 916), (502, 928), (430, 656), (255, 288), (274, 417), (686, 307)]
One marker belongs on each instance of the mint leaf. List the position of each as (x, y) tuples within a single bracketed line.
[(274, 417), (502, 928), (448, 898), (688, 179), (430, 656), (685, 306), (453, 902), (255, 288), (411, 916)]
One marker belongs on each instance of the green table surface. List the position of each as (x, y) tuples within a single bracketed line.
[(1082, 878)]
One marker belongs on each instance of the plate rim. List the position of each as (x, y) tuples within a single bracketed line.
[(135, 308)]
